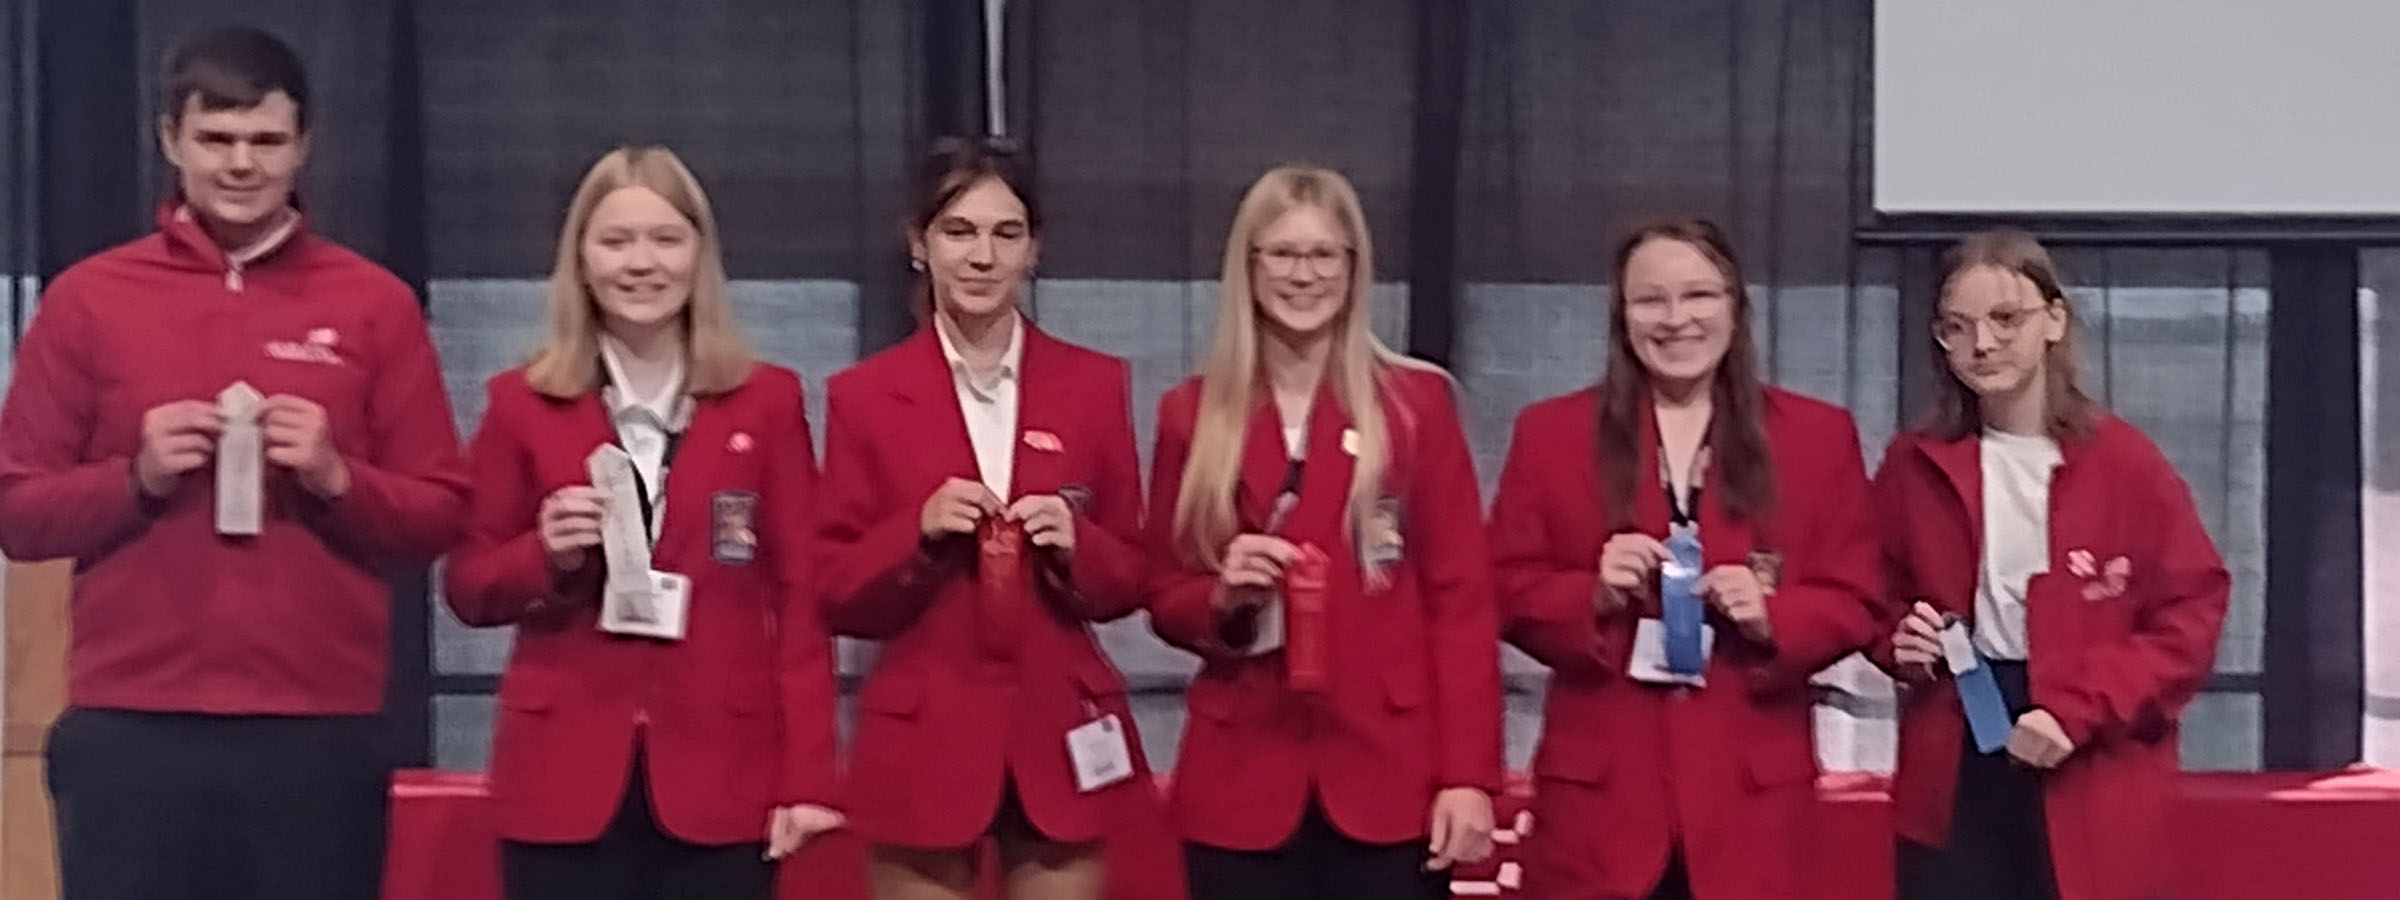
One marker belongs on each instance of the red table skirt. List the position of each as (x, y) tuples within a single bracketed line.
[(2243, 836)]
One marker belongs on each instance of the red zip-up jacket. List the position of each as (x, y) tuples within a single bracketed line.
[(2123, 630), (166, 614)]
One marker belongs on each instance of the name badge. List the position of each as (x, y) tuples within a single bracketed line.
[(1101, 755), (733, 527), (659, 610)]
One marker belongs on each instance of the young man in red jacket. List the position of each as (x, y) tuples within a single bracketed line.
[(235, 429)]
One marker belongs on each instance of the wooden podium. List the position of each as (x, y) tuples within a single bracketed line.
[(36, 686)]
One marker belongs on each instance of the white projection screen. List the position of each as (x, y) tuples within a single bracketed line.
[(2137, 107)]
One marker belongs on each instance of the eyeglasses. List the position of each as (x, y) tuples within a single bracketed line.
[(1699, 302), (1285, 262), (1957, 332)]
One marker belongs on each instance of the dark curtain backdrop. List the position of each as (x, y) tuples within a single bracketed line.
[(1500, 147)]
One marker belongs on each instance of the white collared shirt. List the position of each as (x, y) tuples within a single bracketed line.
[(2016, 537), (990, 407), (644, 425)]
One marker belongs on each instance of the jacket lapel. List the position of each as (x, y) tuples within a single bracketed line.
[(929, 397), (699, 455), (1325, 483), (1650, 514), (1038, 443), (1959, 465), (1264, 461)]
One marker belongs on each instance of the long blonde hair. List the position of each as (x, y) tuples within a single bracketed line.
[(1205, 519), (568, 363)]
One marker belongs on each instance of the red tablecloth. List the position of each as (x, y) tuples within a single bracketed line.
[(445, 846), (2244, 836)]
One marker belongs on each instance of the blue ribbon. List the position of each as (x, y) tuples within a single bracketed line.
[(1679, 600), (1987, 712)]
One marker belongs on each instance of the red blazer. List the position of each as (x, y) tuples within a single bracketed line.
[(739, 714), (2116, 659), (1414, 698), (941, 721), (1626, 769)]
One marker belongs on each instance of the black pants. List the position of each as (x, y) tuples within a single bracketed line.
[(635, 860), (1999, 845), (1676, 884), (175, 806), (1317, 863)]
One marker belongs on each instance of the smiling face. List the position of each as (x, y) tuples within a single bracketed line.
[(639, 253), (1679, 311), (236, 167), (1300, 271), (978, 250)]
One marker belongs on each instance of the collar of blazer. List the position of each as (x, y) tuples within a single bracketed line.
[(1960, 461), (929, 381)]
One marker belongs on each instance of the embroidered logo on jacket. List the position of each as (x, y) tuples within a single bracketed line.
[(319, 348), (2101, 581)]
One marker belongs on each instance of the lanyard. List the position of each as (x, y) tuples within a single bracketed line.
[(1683, 509)]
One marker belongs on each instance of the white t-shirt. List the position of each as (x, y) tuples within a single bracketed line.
[(2016, 537)]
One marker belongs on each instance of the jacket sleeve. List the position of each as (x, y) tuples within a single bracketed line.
[(2139, 686), (55, 500), (874, 576), (407, 502), (1106, 575), (1181, 598), (1546, 590), (804, 672), (1831, 602), (501, 575), (1455, 574), (1894, 515)]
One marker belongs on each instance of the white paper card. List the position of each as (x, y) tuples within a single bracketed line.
[(1649, 663), (241, 454), (622, 541), (659, 610), (1268, 635), (1101, 755), (1958, 649)]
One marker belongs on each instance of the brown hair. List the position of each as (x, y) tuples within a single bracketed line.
[(952, 167), (715, 358), (231, 68), (2068, 412), (1742, 466)]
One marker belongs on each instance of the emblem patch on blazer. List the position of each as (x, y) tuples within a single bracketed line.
[(1767, 565), (733, 527), (1044, 441), (1379, 538), (1078, 497), (2101, 581)]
